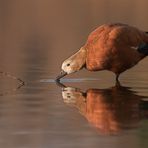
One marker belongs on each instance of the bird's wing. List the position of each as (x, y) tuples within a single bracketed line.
[(132, 36)]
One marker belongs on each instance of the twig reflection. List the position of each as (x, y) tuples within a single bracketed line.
[(20, 83)]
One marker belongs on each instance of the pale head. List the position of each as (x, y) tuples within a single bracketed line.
[(75, 62)]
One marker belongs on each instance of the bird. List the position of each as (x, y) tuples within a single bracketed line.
[(115, 47)]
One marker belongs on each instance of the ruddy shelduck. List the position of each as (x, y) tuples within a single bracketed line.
[(114, 47)]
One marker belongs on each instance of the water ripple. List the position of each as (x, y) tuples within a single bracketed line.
[(70, 80)]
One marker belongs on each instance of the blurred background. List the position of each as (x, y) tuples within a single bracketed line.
[(36, 36), (48, 31)]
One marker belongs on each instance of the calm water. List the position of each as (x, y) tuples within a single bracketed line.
[(88, 109)]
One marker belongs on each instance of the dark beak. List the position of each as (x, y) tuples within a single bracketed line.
[(61, 75), (60, 85)]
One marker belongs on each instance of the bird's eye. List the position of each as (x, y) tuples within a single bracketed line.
[(68, 64)]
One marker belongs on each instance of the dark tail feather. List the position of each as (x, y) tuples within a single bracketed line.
[(146, 32), (143, 48)]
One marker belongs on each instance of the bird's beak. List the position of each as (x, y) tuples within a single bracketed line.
[(61, 75)]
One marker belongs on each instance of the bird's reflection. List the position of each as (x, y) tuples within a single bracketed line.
[(110, 110)]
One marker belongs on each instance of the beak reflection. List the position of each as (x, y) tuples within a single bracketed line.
[(61, 75), (110, 110)]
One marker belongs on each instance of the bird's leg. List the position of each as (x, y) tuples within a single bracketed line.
[(118, 85), (117, 77)]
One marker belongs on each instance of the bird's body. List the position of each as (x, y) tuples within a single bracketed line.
[(114, 47)]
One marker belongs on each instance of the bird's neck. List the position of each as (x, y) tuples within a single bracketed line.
[(82, 56)]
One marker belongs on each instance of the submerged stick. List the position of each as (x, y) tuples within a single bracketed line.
[(13, 77)]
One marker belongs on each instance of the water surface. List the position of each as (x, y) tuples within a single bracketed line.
[(88, 109)]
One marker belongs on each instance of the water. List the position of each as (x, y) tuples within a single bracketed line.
[(88, 109), (84, 112)]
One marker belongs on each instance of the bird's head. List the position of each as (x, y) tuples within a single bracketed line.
[(73, 63)]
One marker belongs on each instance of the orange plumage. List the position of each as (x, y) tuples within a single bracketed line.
[(115, 47)]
